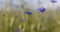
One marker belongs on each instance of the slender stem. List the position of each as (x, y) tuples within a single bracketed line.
[(28, 25)]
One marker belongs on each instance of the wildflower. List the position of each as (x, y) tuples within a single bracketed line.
[(53, 1), (27, 12), (41, 9)]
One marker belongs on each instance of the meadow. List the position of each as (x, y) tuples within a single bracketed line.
[(18, 21)]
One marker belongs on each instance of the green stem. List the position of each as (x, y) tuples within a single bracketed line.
[(16, 24), (28, 25)]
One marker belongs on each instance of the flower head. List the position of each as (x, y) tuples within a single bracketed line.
[(27, 12), (53, 1), (41, 9)]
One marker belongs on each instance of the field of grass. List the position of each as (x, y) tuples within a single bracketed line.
[(12, 21)]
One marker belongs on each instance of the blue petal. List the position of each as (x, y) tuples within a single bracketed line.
[(53, 1), (41, 9), (28, 12)]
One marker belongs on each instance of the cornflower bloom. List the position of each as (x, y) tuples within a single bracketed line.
[(29, 21), (53, 1), (27, 12), (41, 9)]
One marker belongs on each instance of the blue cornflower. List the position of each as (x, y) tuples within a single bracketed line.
[(53, 1), (27, 12), (41, 9)]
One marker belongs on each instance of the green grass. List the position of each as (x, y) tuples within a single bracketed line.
[(48, 22)]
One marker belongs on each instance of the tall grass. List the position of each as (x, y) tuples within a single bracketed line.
[(37, 22)]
